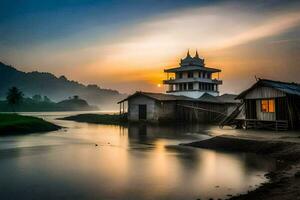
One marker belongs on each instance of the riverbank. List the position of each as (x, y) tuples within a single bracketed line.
[(113, 119), (17, 124), (284, 181)]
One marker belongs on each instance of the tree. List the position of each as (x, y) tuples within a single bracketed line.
[(14, 97)]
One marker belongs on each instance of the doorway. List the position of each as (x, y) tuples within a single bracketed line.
[(142, 112)]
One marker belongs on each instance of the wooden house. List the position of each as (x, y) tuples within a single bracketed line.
[(272, 105), (158, 107), (151, 107)]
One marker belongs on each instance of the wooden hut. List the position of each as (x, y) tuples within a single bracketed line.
[(152, 107), (272, 105)]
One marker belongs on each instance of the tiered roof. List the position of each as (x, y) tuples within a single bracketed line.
[(190, 63)]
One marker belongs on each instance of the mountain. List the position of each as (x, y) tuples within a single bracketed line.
[(56, 88)]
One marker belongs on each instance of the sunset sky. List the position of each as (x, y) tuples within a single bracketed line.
[(126, 44)]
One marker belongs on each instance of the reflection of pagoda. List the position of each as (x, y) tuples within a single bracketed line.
[(192, 78)]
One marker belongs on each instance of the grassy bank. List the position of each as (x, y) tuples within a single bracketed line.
[(284, 182), (18, 124), (96, 119)]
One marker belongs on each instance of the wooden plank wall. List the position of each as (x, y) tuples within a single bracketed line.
[(264, 93)]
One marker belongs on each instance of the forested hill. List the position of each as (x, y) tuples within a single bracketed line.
[(56, 88)]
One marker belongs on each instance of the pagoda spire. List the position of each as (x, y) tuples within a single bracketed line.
[(196, 56), (188, 54)]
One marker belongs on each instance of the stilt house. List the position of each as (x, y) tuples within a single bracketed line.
[(272, 105)]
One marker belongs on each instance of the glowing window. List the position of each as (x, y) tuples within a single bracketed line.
[(271, 105), (268, 105)]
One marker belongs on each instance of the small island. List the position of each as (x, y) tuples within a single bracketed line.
[(18, 124), (108, 119)]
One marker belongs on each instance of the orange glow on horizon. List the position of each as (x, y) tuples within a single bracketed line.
[(135, 58)]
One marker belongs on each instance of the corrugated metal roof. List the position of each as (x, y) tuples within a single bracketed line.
[(228, 98), (160, 97), (288, 88), (225, 98), (206, 97), (209, 98), (166, 97)]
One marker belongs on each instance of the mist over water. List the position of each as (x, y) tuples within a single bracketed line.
[(135, 162)]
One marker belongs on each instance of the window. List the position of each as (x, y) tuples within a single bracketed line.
[(268, 105), (190, 86), (180, 75), (190, 75), (271, 105)]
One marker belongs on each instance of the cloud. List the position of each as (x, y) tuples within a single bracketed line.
[(206, 28), (137, 53), (144, 49)]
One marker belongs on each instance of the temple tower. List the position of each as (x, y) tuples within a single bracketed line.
[(192, 78)]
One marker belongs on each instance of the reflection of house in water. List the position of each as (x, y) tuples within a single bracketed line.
[(269, 104), (193, 95)]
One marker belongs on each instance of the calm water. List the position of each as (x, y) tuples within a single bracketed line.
[(128, 163)]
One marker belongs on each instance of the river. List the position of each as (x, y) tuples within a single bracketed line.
[(88, 161)]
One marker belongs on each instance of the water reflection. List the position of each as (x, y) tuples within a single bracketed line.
[(138, 162)]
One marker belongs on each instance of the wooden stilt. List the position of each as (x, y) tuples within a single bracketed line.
[(123, 107)]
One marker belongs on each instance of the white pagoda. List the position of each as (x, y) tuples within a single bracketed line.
[(192, 78)]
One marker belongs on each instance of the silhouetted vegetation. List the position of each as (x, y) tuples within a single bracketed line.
[(56, 88), (37, 103), (18, 124), (14, 97)]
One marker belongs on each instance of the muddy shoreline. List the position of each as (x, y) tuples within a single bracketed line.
[(284, 182)]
